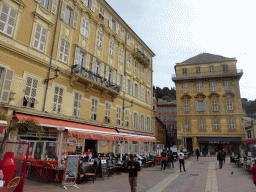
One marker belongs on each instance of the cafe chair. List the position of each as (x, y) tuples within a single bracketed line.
[(12, 184), (90, 173)]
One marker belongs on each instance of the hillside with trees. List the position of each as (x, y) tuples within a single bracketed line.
[(249, 106), (165, 93)]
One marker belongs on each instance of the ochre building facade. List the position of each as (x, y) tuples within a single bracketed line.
[(102, 95), (209, 109)]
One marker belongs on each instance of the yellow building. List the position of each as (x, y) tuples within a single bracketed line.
[(104, 68), (209, 108)]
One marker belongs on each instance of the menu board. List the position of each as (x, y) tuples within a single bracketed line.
[(104, 169), (71, 169)]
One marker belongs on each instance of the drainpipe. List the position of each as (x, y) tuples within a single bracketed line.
[(49, 72), (125, 79)]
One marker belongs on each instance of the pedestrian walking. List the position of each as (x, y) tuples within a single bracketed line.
[(133, 167), (164, 158), (171, 159), (224, 156), (253, 172), (220, 157), (181, 160), (197, 154)]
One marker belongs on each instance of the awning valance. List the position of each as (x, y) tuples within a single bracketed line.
[(80, 130), (221, 140), (253, 140)]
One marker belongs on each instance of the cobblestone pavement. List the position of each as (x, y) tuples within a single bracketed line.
[(202, 175)]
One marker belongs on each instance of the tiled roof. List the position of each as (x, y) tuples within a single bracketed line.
[(206, 58)]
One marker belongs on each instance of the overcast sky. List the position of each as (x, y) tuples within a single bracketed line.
[(176, 30)]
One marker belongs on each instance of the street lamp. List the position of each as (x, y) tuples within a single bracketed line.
[(57, 73)]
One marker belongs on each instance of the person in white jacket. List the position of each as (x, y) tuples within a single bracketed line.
[(181, 160)]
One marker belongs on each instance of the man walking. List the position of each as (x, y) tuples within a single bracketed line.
[(197, 154), (164, 158), (171, 159), (133, 167), (181, 160), (220, 158), (224, 156)]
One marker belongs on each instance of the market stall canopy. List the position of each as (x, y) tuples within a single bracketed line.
[(253, 140), (80, 130), (218, 139)]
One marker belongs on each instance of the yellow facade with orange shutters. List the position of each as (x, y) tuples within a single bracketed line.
[(96, 53)]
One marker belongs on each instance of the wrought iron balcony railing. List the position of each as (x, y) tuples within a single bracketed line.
[(212, 74), (141, 56), (77, 69)]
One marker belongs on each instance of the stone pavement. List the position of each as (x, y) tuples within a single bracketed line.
[(202, 175)]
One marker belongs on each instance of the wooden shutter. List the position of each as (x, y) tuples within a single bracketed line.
[(110, 22), (127, 86), (204, 103), (93, 5), (54, 6), (107, 73), (134, 90), (123, 88), (11, 21), (75, 19), (196, 105), (77, 52), (63, 9), (33, 91), (138, 91), (132, 120), (102, 69), (86, 61), (131, 86), (6, 89), (117, 27), (114, 76), (94, 65)]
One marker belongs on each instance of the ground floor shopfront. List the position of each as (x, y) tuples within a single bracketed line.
[(212, 144), (63, 137)]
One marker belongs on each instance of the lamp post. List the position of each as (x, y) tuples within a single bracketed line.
[(57, 73)]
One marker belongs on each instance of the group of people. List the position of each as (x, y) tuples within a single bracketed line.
[(168, 160)]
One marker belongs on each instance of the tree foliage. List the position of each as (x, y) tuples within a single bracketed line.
[(165, 93), (249, 106)]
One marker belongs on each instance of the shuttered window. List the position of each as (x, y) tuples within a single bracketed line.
[(229, 105), (214, 105), (213, 86), (118, 115), (227, 86), (122, 33), (200, 105), (216, 124), (77, 104), (40, 38), (94, 109), (29, 98), (199, 87), (121, 55), (126, 118), (86, 3), (44, 3), (136, 67), (202, 124), (134, 119), (57, 99), (185, 88), (231, 124), (111, 48), (129, 61), (99, 38), (142, 72), (142, 94), (129, 40), (6, 88), (101, 13), (107, 113), (142, 122), (187, 124), (64, 48), (186, 106), (85, 28), (148, 76), (7, 20), (68, 12)]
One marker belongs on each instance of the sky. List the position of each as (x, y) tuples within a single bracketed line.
[(176, 30)]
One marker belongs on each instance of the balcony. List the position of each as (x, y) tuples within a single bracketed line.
[(141, 57), (95, 81), (208, 75)]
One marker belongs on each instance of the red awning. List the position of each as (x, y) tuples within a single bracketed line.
[(249, 140), (80, 130)]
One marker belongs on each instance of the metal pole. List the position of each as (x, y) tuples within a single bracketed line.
[(60, 148)]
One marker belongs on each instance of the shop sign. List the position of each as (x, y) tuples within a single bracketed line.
[(121, 138), (71, 140), (103, 142)]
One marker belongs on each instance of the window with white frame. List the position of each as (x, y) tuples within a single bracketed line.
[(187, 124), (64, 49), (107, 113), (68, 14), (135, 117), (214, 105), (136, 67), (129, 61), (148, 123), (211, 69), (202, 124), (142, 94), (112, 24), (227, 85), (185, 88), (200, 105), (142, 122), (40, 38), (126, 118), (44, 3), (198, 70), (121, 55), (111, 48), (131, 88), (213, 86), (142, 72), (122, 33), (136, 90), (57, 99), (8, 18), (94, 109), (186, 106), (184, 71), (199, 87), (99, 38), (148, 76), (118, 115), (229, 105), (225, 68), (86, 3), (127, 86), (231, 124), (216, 124), (77, 104), (129, 40), (101, 13), (29, 98), (85, 28)]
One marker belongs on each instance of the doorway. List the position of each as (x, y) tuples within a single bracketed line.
[(189, 144), (90, 144)]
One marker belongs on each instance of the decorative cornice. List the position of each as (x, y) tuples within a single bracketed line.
[(20, 2), (228, 93), (214, 95), (200, 95), (186, 96), (42, 18)]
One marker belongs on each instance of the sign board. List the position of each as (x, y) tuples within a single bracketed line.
[(71, 141), (104, 169), (71, 170)]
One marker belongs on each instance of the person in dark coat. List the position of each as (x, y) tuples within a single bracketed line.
[(164, 158), (170, 159), (253, 171), (220, 157), (224, 156), (197, 154), (133, 167)]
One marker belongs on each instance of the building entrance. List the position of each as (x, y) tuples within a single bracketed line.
[(189, 144), (90, 144)]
